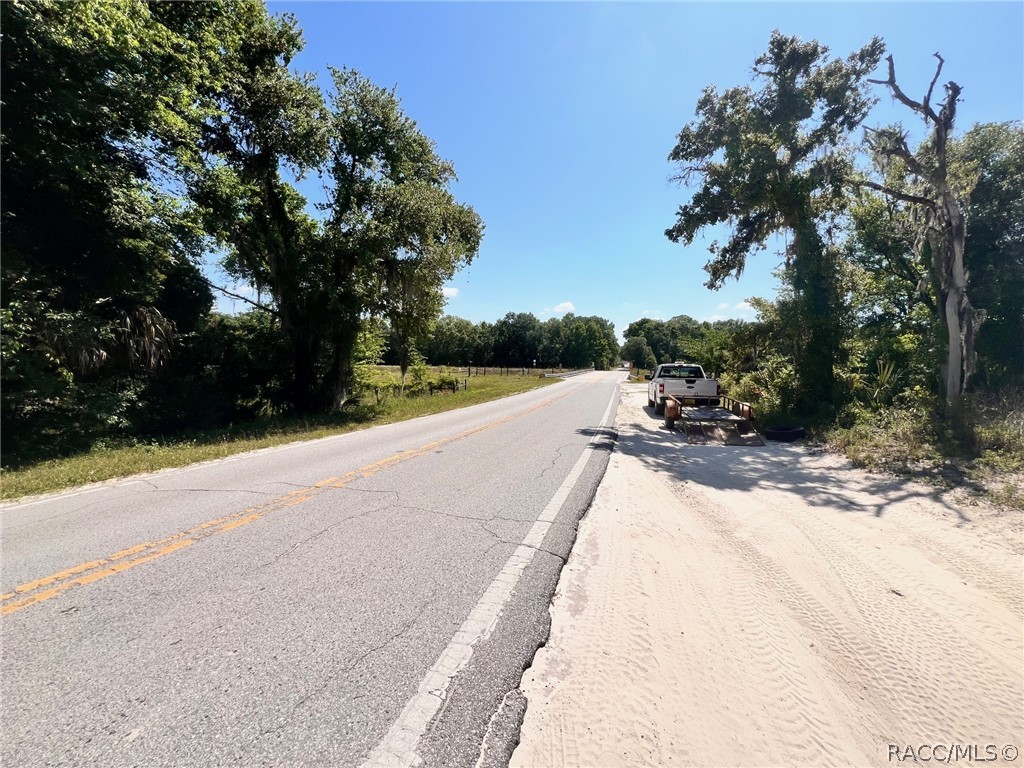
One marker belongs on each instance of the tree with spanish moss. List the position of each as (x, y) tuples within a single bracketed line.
[(394, 232), (769, 160)]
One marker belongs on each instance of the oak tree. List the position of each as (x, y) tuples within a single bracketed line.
[(394, 232), (766, 161)]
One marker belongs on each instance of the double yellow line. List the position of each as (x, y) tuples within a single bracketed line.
[(51, 586)]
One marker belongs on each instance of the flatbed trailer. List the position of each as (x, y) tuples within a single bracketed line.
[(732, 422)]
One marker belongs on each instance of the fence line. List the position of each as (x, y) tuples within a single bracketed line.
[(566, 374), (501, 370)]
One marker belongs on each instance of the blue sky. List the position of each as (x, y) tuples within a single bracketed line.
[(559, 117)]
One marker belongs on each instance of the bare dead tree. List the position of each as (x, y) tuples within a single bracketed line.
[(942, 227)]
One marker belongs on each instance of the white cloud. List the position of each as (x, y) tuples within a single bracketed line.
[(727, 311), (450, 291), (565, 306)]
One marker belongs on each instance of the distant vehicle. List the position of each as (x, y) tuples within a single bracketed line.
[(683, 380)]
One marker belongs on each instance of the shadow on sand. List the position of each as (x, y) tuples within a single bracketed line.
[(821, 480)]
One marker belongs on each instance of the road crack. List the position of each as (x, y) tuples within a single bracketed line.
[(318, 534), (499, 539), (554, 461), (322, 686)]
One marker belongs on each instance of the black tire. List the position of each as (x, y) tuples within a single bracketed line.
[(784, 434), (659, 408), (650, 403)]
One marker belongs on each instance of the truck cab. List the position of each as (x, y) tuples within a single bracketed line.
[(683, 380)]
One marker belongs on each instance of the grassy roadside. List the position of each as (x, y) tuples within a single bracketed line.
[(913, 443), (112, 462)]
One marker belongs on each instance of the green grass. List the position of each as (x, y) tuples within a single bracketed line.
[(121, 461)]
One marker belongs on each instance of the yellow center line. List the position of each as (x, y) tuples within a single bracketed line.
[(42, 589), (39, 597)]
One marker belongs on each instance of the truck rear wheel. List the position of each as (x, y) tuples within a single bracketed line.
[(659, 408), (650, 403)]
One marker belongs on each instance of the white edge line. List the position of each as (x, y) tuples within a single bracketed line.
[(398, 747)]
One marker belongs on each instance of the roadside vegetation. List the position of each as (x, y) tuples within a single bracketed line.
[(167, 136), (133, 455), (897, 336), (163, 138), (916, 442)]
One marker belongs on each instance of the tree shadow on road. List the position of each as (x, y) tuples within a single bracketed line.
[(608, 437)]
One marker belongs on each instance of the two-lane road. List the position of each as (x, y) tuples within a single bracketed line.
[(368, 599)]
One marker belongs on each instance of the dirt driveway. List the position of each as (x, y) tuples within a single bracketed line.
[(774, 606)]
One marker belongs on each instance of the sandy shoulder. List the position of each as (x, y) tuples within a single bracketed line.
[(773, 606)]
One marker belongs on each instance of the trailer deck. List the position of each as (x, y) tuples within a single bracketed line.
[(729, 424)]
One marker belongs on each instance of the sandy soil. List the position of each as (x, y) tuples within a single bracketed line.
[(750, 606)]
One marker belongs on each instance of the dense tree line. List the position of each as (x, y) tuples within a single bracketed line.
[(140, 139), (520, 340)]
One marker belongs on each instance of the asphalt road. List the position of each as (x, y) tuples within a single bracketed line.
[(367, 599)]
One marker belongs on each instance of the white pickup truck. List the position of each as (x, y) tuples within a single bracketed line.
[(684, 380)]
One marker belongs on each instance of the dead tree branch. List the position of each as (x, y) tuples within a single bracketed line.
[(924, 109), (935, 79)]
